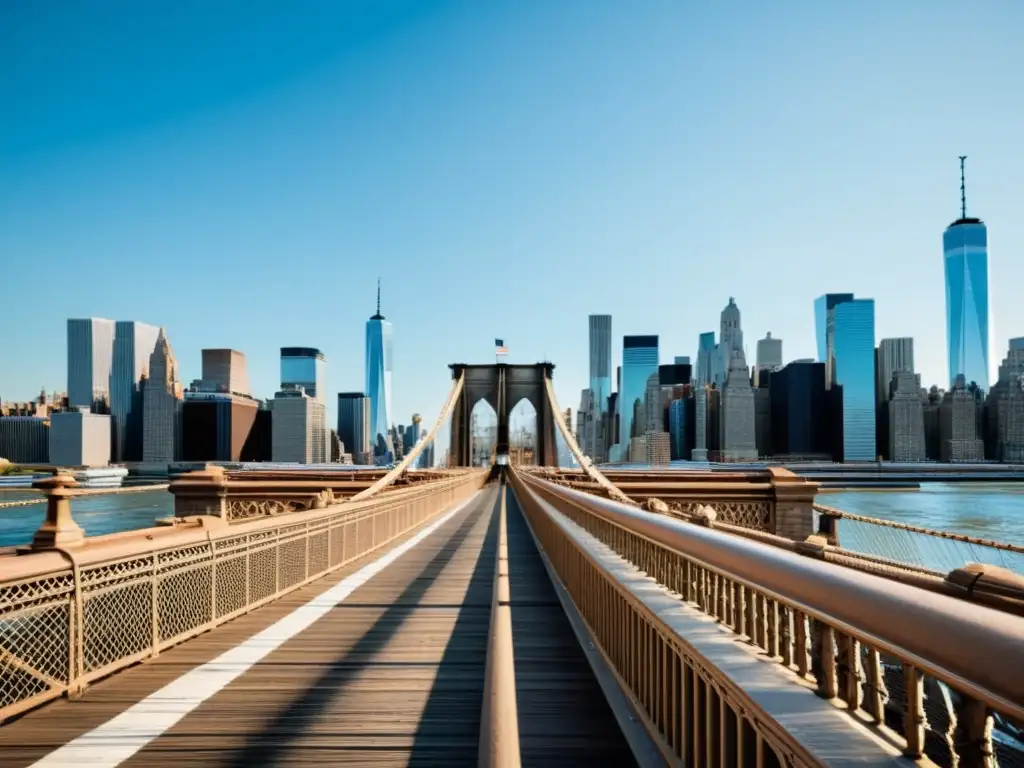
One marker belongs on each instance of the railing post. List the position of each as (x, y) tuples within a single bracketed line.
[(58, 529), (201, 493), (792, 514)]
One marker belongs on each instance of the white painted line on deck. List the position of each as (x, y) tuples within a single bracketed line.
[(119, 738)]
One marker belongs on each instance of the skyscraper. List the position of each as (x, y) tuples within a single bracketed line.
[(639, 363), (769, 353), (354, 425), (848, 328), (378, 379), (225, 371), (894, 356), (90, 356), (304, 367), (161, 405), (705, 359), (965, 247), (133, 345), (601, 360)]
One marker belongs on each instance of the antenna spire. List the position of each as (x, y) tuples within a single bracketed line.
[(963, 189), (378, 279)]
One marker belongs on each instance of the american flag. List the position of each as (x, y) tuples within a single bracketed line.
[(500, 348)]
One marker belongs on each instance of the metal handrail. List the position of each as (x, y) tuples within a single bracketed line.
[(973, 649)]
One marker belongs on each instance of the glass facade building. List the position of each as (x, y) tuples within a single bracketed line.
[(133, 345), (90, 355), (378, 382), (798, 410), (822, 306), (849, 336), (965, 246), (639, 363), (304, 367), (600, 327)]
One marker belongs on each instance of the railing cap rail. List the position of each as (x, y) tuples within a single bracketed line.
[(974, 648), (190, 531)]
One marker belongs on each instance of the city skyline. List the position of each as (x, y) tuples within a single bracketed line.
[(333, 161)]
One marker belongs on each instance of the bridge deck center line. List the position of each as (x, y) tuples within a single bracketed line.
[(119, 738)]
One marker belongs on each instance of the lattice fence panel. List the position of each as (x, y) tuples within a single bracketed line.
[(755, 515), (350, 541), (318, 546), (337, 544), (183, 602), (262, 574), (33, 652), (117, 623), (230, 585), (292, 563)]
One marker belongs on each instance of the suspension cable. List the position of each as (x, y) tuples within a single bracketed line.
[(410, 457), (582, 459)]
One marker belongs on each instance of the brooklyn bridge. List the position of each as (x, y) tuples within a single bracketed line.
[(502, 616)]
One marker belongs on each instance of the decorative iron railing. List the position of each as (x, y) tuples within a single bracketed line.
[(938, 677), (71, 615)]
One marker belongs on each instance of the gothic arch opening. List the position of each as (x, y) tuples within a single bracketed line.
[(522, 432), (483, 432)]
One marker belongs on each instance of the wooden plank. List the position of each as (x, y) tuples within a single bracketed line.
[(391, 676), (564, 718)]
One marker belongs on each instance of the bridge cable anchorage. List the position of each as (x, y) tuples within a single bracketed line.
[(410, 457), (584, 461)]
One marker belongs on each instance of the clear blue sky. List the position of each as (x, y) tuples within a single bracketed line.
[(241, 173)]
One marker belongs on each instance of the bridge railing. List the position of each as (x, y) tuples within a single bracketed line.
[(71, 615), (935, 677)]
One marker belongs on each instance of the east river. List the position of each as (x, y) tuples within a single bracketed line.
[(986, 510)]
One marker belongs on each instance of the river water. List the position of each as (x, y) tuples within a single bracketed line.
[(986, 510)]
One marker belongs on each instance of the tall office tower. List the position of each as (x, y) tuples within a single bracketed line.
[(769, 356), (847, 326), (600, 327), (705, 359), (737, 426), (823, 305), (354, 425), (161, 406), (304, 367), (378, 380), (299, 426), (639, 361), (225, 370), (1004, 410), (958, 427), (906, 418), (133, 345), (798, 410), (700, 424), (893, 356), (965, 247), (90, 356)]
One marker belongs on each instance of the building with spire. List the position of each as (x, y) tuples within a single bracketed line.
[(161, 405), (378, 382), (965, 250), (737, 427)]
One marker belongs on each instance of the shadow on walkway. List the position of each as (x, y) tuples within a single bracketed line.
[(273, 744), (564, 718)]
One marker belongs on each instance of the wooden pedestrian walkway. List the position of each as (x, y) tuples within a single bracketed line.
[(376, 664)]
